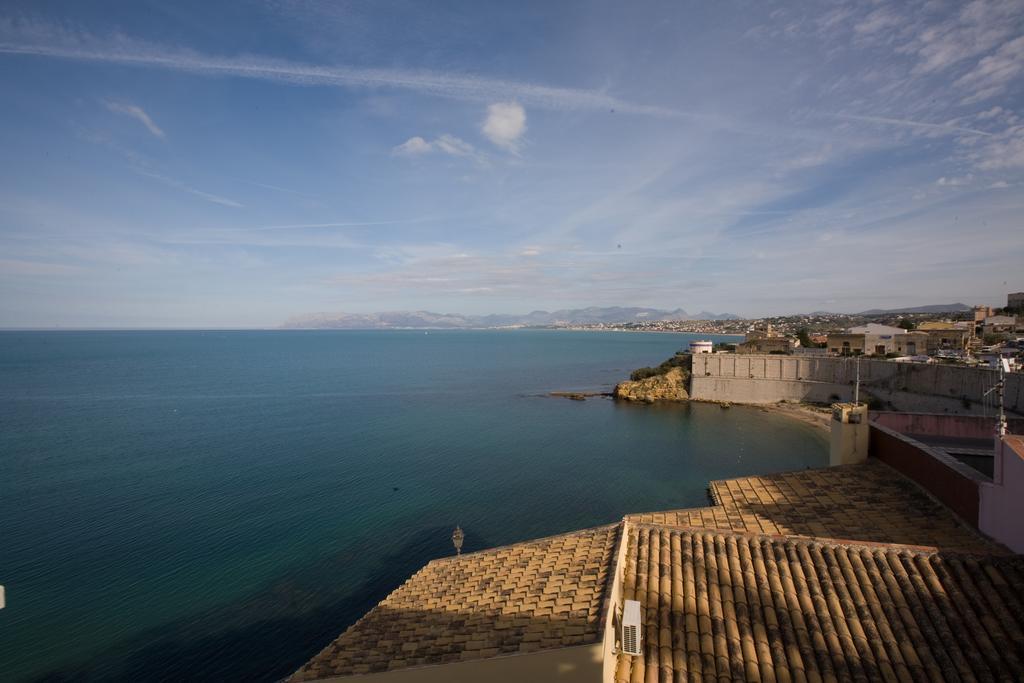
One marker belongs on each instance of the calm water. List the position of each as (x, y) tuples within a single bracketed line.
[(220, 505)]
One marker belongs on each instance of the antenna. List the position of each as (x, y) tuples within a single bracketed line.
[(856, 386), (1004, 367)]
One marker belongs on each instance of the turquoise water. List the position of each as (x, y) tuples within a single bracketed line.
[(220, 505)]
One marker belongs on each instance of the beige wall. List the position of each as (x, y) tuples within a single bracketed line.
[(909, 386), (765, 345), (947, 339), (838, 343), (848, 440), (614, 602), (912, 343)]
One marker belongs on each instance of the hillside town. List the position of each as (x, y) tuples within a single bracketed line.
[(982, 335)]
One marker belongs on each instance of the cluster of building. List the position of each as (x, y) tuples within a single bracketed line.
[(986, 338)]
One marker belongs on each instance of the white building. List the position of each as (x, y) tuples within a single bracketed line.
[(884, 331), (701, 346)]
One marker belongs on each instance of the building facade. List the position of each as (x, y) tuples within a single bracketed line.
[(999, 324), (767, 345)]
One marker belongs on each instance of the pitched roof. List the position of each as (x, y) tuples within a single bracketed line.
[(547, 593), (745, 607), (808, 526), (867, 502)]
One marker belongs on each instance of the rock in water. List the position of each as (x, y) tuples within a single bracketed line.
[(668, 387)]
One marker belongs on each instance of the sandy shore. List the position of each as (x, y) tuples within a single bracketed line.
[(814, 415)]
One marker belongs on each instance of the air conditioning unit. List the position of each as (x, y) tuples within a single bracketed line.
[(631, 628)]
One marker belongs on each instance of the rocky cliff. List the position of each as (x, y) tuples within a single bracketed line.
[(670, 386)]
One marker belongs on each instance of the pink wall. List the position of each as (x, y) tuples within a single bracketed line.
[(1001, 509), (940, 424), (955, 484)]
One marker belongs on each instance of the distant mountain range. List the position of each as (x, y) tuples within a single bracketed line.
[(936, 308), (428, 320)]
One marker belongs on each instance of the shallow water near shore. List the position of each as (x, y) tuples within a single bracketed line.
[(220, 505)]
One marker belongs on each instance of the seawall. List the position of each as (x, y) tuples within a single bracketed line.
[(914, 387)]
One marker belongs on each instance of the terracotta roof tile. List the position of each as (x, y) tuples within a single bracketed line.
[(725, 606), (735, 591), (538, 595), (867, 502)]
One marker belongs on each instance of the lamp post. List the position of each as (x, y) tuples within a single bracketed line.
[(457, 537)]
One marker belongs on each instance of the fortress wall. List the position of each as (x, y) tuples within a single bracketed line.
[(742, 378)]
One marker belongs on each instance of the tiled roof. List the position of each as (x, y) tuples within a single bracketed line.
[(520, 598), (866, 502), (726, 606)]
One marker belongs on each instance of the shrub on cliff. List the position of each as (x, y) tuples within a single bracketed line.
[(644, 373), (680, 360)]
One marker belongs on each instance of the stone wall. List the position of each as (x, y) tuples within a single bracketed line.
[(955, 426), (913, 387)]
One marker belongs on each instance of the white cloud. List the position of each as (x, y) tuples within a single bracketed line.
[(445, 144), (505, 124), (137, 113), (412, 147), (954, 181)]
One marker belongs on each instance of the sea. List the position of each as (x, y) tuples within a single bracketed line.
[(220, 505)]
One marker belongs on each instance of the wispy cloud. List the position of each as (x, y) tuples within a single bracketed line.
[(955, 181), (445, 144), (343, 224), (171, 182), (36, 268), (45, 41), (275, 188), (137, 113), (994, 73), (947, 128)]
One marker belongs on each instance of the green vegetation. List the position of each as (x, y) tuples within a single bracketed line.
[(680, 360), (907, 324)]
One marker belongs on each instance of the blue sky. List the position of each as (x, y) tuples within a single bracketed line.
[(233, 164)]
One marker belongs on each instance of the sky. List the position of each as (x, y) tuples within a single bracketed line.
[(232, 164)]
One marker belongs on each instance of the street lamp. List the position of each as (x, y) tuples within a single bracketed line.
[(457, 538)]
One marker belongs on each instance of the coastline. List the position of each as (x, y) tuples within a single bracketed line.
[(813, 415)]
